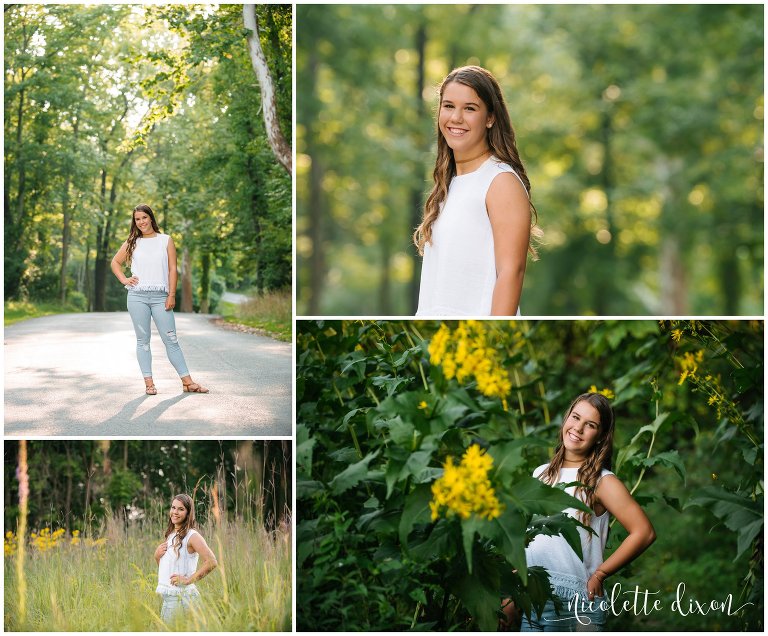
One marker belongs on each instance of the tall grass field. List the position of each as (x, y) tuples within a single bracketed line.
[(72, 583)]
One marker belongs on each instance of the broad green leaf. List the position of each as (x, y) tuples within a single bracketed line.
[(468, 529), (738, 512), (560, 525), (533, 495), (304, 445), (479, 591), (667, 458), (508, 535), (416, 510), (352, 475)]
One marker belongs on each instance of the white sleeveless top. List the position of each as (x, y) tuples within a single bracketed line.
[(150, 264), (458, 272), (566, 572), (184, 564)]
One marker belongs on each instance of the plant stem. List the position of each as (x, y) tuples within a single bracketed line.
[(421, 369)]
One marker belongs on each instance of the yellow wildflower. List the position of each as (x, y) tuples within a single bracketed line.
[(465, 354), (465, 489), (423, 405), (606, 392), (677, 334)]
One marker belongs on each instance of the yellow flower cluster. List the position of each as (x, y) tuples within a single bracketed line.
[(606, 392), (465, 489), (689, 364), (9, 544), (47, 540), (465, 354)]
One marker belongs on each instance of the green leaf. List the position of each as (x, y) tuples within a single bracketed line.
[(533, 495), (508, 535), (304, 445), (738, 512), (480, 591), (416, 510), (352, 475), (667, 458), (561, 525), (468, 529)]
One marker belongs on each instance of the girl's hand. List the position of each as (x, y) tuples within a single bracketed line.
[(170, 302), (595, 586), (162, 549), (178, 579), (132, 281)]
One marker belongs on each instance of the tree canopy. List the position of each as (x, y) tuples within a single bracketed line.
[(109, 106)]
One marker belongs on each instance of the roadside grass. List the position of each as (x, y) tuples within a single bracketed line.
[(18, 310), (269, 312), (109, 584)]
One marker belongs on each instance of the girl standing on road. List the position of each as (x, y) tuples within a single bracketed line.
[(583, 454), (177, 558), (478, 219), (152, 294)]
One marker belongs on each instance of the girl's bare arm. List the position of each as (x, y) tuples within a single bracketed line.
[(510, 216), (615, 497)]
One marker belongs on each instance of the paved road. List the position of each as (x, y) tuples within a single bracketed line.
[(77, 374), (237, 299)]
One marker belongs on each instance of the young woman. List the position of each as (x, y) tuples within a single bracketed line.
[(177, 558), (478, 219), (583, 455), (152, 294)]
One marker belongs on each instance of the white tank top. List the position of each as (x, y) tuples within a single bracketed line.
[(458, 272), (566, 571), (184, 564), (150, 264)]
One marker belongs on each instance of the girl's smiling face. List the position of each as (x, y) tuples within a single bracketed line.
[(143, 222), (463, 119), (178, 512), (581, 430)]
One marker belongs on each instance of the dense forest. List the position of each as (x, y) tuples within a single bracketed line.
[(78, 484), (641, 128), (382, 406), (109, 106)]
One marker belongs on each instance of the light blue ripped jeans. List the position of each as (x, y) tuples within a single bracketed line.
[(146, 305), (176, 605), (577, 614)]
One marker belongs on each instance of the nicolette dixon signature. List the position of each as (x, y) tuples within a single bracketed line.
[(642, 602)]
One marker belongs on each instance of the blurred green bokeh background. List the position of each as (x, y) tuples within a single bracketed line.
[(641, 128)]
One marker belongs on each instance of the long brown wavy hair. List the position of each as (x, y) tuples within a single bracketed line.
[(135, 231), (598, 459), (501, 142), (188, 524)]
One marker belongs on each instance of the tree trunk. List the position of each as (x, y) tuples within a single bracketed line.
[(66, 232), (417, 193), (186, 281), (315, 202), (205, 278), (277, 142)]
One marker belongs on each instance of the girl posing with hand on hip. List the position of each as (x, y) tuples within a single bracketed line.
[(152, 294), (478, 219), (583, 454), (177, 558)]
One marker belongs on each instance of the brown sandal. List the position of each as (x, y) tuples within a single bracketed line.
[(150, 389), (194, 387)]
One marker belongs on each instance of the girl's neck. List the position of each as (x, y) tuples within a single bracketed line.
[(470, 161), (573, 462)]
